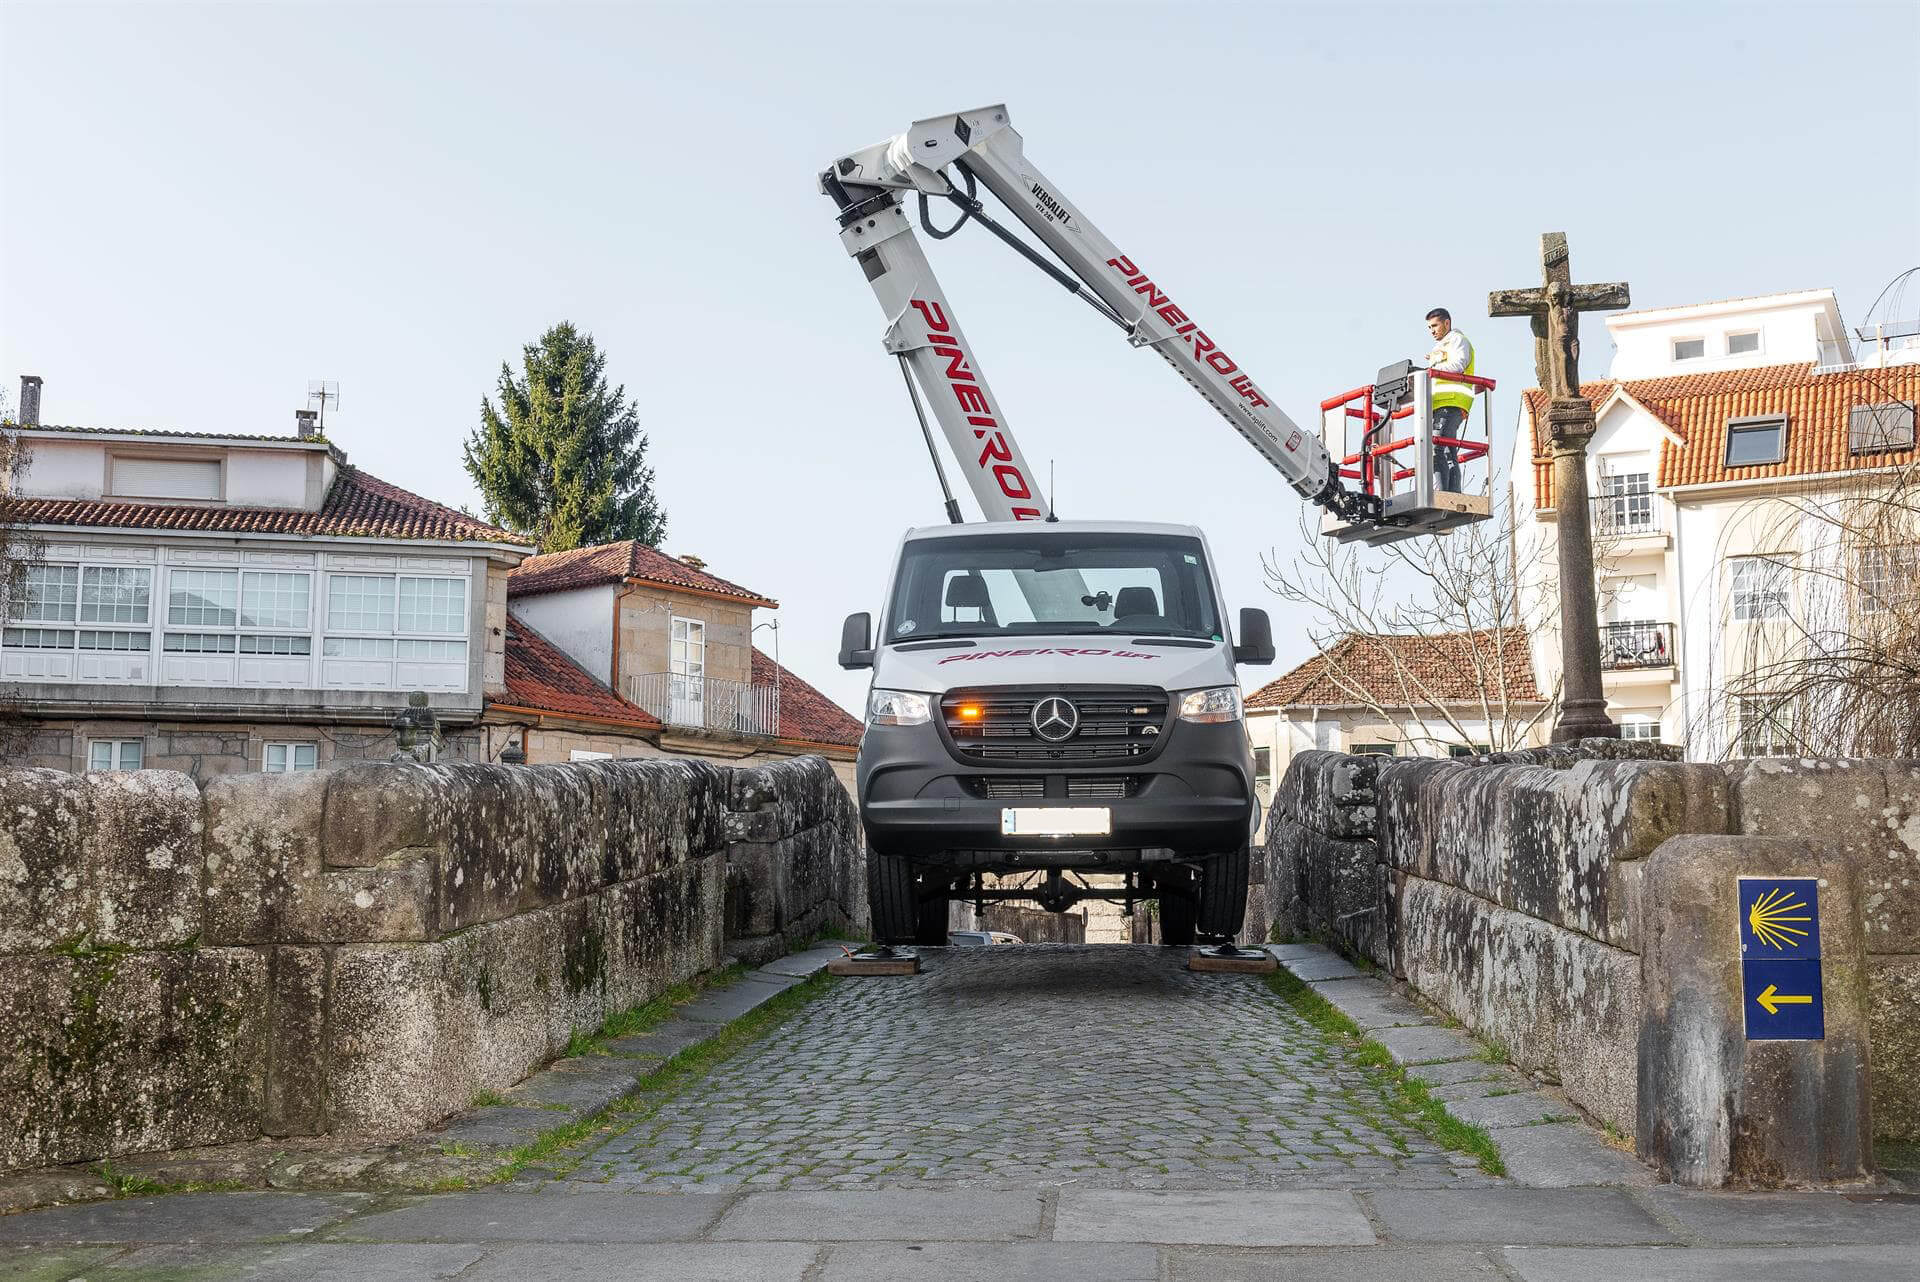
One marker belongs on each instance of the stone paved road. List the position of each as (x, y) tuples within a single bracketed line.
[(1107, 1066)]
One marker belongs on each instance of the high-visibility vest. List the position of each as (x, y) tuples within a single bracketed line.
[(1457, 396)]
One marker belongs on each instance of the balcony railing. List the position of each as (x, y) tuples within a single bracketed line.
[(1618, 516), (705, 703), (1635, 645)]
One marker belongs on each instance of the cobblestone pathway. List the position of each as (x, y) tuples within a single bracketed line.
[(1103, 1066)]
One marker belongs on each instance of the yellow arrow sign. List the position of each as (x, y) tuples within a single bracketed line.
[(1772, 999)]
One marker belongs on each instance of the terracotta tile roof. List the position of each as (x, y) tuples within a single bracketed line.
[(539, 676), (1696, 407), (168, 433), (616, 563), (358, 506), (805, 713), (1441, 665)]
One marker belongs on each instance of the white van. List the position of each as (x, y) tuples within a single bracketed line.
[(1053, 698)]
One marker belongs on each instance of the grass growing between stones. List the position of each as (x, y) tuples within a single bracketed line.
[(130, 1184), (562, 1149), (1406, 1095), (648, 1015)]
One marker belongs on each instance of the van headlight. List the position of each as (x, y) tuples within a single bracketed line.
[(898, 708), (1221, 703)]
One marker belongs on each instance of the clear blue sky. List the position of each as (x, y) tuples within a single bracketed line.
[(205, 207)]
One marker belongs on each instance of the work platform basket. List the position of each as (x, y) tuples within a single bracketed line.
[(1382, 436)]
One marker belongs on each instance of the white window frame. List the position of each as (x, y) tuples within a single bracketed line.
[(1767, 580), (390, 656), (1640, 726), (1673, 347), (116, 457), (1758, 342), (290, 756), (1764, 725), (117, 750), (1752, 424), (1889, 577), (239, 630)]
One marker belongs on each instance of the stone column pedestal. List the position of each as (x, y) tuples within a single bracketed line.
[(1717, 1110)]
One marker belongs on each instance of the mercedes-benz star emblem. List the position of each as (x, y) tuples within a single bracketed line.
[(1054, 719)]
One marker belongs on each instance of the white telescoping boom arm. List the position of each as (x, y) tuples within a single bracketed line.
[(922, 328)]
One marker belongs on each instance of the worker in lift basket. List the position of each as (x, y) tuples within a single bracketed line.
[(1452, 402)]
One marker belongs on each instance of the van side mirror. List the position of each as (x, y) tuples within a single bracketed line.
[(1256, 638), (856, 641)]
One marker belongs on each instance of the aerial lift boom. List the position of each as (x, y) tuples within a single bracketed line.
[(984, 150)]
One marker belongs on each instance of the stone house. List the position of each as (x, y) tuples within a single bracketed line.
[(221, 603), (672, 641), (1722, 431), (1448, 694)]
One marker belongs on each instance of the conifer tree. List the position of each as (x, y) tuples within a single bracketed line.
[(561, 458)]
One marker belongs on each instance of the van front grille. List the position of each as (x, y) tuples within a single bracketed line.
[(1008, 787), (996, 724)]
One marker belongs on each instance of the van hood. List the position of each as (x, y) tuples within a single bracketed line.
[(1045, 661)]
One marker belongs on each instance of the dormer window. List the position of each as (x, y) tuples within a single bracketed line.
[(1752, 442), (1745, 344), (133, 477), (1689, 349)]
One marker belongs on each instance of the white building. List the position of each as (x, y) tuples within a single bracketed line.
[(1722, 429), (215, 603)]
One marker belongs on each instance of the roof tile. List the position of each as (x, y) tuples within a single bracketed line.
[(805, 713), (606, 563), (540, 676), (1696, 407), (1359, 669), (358, 506)]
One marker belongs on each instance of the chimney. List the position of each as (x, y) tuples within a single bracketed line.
[(305, 424), (30, 400), (687, 558)]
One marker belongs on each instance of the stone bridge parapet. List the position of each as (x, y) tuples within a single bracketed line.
[(359, 951), (1512, 890)]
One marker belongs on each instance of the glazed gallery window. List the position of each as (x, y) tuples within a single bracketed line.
[(65, 599), (384, 616), (234, 611)]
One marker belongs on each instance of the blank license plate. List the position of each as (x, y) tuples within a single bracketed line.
[(1056, 821)]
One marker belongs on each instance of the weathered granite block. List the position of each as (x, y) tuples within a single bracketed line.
[(1559, 845), (266, 879), (1865, 811), (1893, 1018), (373, 812), (111, 858), (115, 1052), (1330, 793), (1717, 1110), (1553, 999), (295, 1100)]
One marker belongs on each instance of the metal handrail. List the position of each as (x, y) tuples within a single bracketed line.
[(706, 703), (1635, 645), (1618, 515)]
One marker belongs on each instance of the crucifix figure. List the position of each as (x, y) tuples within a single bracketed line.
[(1554, 309)]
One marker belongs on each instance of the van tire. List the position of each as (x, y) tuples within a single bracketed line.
[(893, 898), (1176, 914), (1223, 893)]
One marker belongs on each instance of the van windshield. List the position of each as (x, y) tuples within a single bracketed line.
[(1078, 585)]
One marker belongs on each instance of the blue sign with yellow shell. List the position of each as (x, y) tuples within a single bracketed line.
[(1780, 958)]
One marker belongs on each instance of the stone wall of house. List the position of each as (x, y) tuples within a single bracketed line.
[(1508, 889), (645, 629), (358, 951)]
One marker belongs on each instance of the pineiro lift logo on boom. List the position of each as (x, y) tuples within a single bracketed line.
[(1187, 330)]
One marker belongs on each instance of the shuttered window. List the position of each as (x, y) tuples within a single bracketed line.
[(165, 478)]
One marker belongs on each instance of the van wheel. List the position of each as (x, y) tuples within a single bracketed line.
[(1223, 893), (1176, 914), (893, 898)]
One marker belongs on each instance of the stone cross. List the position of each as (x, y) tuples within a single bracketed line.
[(1555, 309)]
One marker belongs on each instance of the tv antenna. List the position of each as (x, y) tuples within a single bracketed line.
[(322, 392)]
